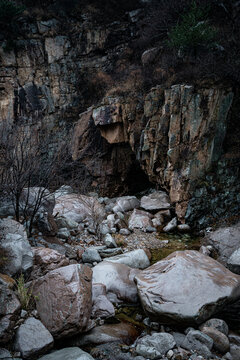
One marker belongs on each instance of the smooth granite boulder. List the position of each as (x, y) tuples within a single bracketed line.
[(186, 287)]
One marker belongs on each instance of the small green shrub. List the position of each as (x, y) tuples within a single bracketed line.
[(9, 11), (24, 293), (193, 30)]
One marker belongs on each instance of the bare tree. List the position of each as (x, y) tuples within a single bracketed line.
[(30, 158)]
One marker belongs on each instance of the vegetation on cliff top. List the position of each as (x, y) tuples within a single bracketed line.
[(208, 32)]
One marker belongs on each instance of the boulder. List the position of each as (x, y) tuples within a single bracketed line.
[(225, 241), (122, 333), (46, 260), (32, 339), (217, 324), (65, 222), (109, 241), (102, 307), (135, 259), (126, 203), (91, 255), (106, 253), (184, 228), (79, 207), (63, 233), (124, 232), (156, 345), (71, 353), (118, 279), (67, 307), (139, 219), (45, 223), (30, 196), (171, 226), (15, 243), (63, 190), (199, 342), (9, 309), (235, 352), (233, 263), (156, 201), (220, 341), (168, 290)]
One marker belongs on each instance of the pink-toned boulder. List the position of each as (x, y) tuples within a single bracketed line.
[(64, 299), (46, 260)]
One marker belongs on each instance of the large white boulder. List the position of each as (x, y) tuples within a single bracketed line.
[(186, 287)]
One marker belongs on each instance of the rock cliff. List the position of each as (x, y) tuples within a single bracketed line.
[(182, 138)]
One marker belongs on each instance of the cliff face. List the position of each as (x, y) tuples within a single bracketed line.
[(177, 135), (178, 138)]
